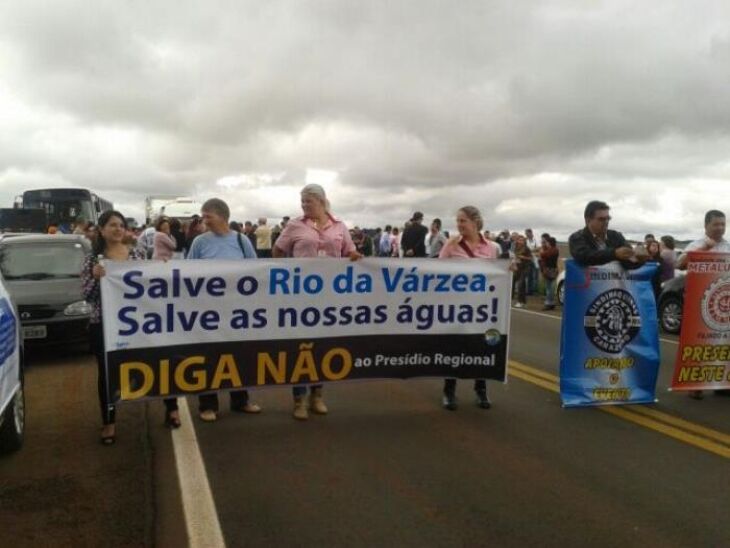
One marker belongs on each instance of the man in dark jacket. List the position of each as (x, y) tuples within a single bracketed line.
[(504, 243), (413, 242), (596, 245)]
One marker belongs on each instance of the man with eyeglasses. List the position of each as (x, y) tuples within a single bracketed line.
[(596, 244)]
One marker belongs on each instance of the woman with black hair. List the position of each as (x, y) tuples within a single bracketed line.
[(669, 257), (549, 254), (195, 229), (654, 250), (522, 262), (110, 245), (176, 231)]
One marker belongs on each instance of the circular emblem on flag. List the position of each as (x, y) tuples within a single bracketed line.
[(492, 337), (612, 320), (716, 305)]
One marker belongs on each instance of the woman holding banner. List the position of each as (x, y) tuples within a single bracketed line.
[(468, 244), (109, 245), (317, 233)]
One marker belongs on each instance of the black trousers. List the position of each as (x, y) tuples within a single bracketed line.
[(108, 409), (480, 385)]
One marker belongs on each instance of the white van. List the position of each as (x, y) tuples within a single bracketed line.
[(12, 398)]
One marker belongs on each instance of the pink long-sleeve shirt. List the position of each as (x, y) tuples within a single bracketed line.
[(164, 246), (485, 249), (301, 238)]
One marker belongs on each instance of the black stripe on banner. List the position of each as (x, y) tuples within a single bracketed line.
[(146, 373)]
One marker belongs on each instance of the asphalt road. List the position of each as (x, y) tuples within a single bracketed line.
[(386, 467)]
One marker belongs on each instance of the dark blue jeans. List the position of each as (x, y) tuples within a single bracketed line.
[(301, 390), (533, 277)]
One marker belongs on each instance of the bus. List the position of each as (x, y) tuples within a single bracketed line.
[(64, 206)]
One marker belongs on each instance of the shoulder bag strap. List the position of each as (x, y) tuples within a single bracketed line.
[(462, 245), (240, 244)]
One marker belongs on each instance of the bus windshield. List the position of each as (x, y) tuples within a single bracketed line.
[(63, 208)]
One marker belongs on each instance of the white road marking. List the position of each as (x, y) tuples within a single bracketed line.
[(201, 517), (669, 341)]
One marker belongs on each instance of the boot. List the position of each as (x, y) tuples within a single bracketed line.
[(316, 403), (483, 399), (449, 401), (300, 408)]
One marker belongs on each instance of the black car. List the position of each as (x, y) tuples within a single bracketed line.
[(670, 303), (42, 273)]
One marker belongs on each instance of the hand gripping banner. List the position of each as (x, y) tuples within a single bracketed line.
[(185, 327), (609, 351), (703, 357)]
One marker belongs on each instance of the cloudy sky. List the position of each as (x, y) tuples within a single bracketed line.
[(524, 109)]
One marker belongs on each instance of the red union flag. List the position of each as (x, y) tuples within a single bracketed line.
[(703, 358)]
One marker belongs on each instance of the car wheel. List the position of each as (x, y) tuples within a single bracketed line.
[(13, 424), (670, 314), (561, 293)]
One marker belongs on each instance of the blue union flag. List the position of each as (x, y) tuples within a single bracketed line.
[(609, 351)]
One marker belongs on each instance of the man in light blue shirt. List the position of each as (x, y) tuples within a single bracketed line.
[(231, 245), (220, 242)]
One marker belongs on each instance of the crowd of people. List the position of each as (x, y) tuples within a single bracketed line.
[(318, 233), (535, 262)]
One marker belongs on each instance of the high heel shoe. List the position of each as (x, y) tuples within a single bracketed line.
[(170, 421)]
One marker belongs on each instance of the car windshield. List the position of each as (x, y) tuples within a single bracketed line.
[(39, 261)]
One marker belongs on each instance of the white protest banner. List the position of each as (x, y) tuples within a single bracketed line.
[(185, 327)]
